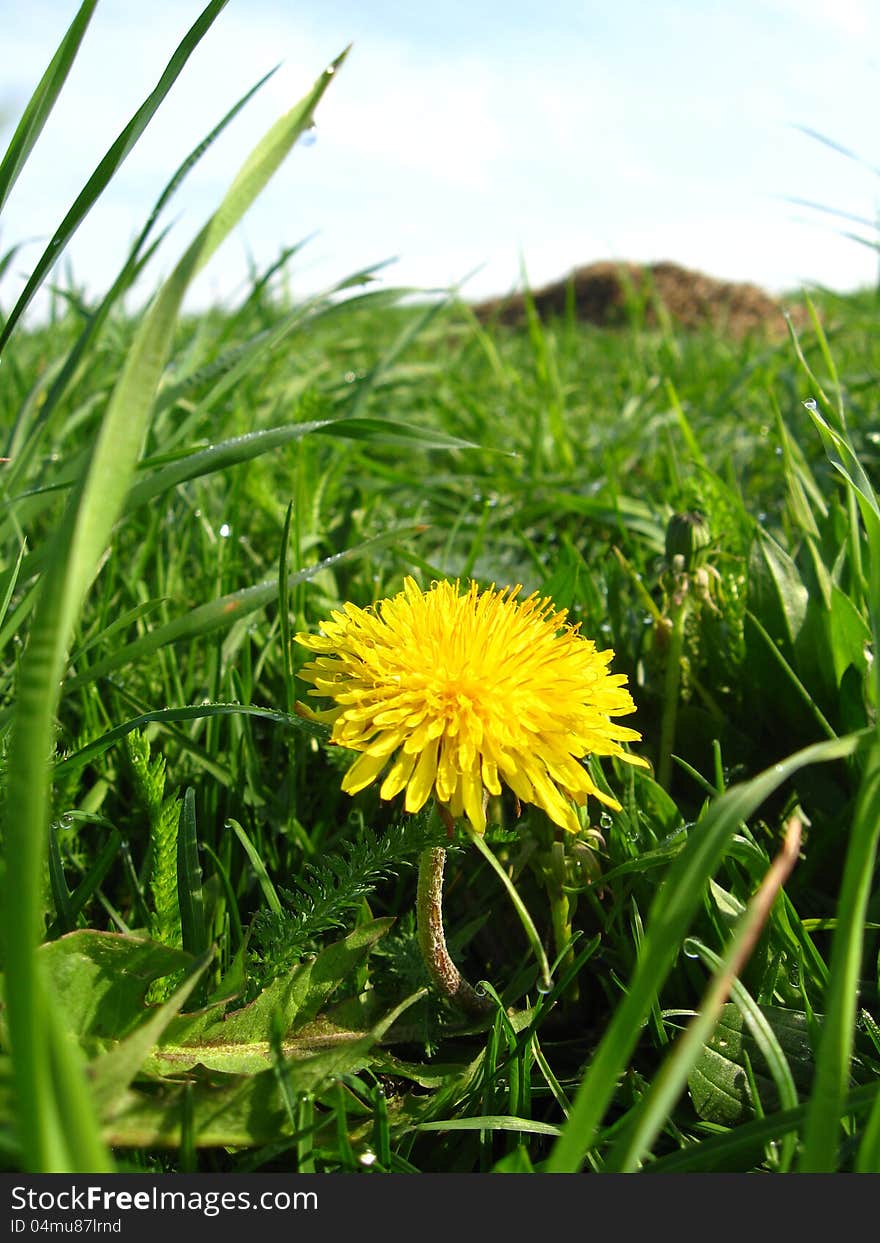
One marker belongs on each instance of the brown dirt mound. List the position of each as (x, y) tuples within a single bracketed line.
[(606, 293)]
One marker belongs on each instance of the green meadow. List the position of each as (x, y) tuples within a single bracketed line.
[(209, 951)]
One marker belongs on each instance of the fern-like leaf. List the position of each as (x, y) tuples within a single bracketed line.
[(327, 894)]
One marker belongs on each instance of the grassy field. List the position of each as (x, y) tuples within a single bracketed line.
[(210, 951)]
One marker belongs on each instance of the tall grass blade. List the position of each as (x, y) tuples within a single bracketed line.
[(43, 100), (74, 555), (22, 453), (671, 913), (822, 1128), (102, 175)]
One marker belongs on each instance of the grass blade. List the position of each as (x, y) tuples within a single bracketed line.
[(822, 1129), (219, 614), (118, 152), (74, 555), (671, 914), (189, 879), (43, 100)]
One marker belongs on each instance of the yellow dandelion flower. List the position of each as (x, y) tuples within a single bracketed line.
[(460, 693)]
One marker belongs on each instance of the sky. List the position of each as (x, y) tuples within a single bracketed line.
[(469, 142)]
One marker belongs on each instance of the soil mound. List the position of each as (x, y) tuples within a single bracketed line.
[(610, 294)]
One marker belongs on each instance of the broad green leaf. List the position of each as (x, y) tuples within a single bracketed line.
[(111, 1072), (250, 1110), (719, 1083), (101, 980), (850, 634), (777, 594), (241, 1040)]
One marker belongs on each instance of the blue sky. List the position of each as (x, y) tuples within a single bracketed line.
[(464, 136)]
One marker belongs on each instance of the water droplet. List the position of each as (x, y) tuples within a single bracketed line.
[(810, 404), (689, 951), (225, 531), (350, 377), (367, 1157), (309, 137), (544, 986), (778, 451)]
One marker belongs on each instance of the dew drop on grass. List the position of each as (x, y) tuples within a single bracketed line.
[(225, 531), (309, 136), (544, 986), (810, 404)]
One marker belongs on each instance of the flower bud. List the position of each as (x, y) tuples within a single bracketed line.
[(687, 535)]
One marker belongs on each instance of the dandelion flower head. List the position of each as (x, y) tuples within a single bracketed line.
[(455, 694)]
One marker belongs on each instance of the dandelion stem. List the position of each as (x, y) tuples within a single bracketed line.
[(432, 940), (671, 691), (560, 914)]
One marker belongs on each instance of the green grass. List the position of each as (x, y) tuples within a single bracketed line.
[(193, 911)]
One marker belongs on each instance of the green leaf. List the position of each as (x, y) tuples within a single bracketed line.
[(240, 1041), (719, 1084), (850, 635), (101, 980), (112, 1072), (777, 593)]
